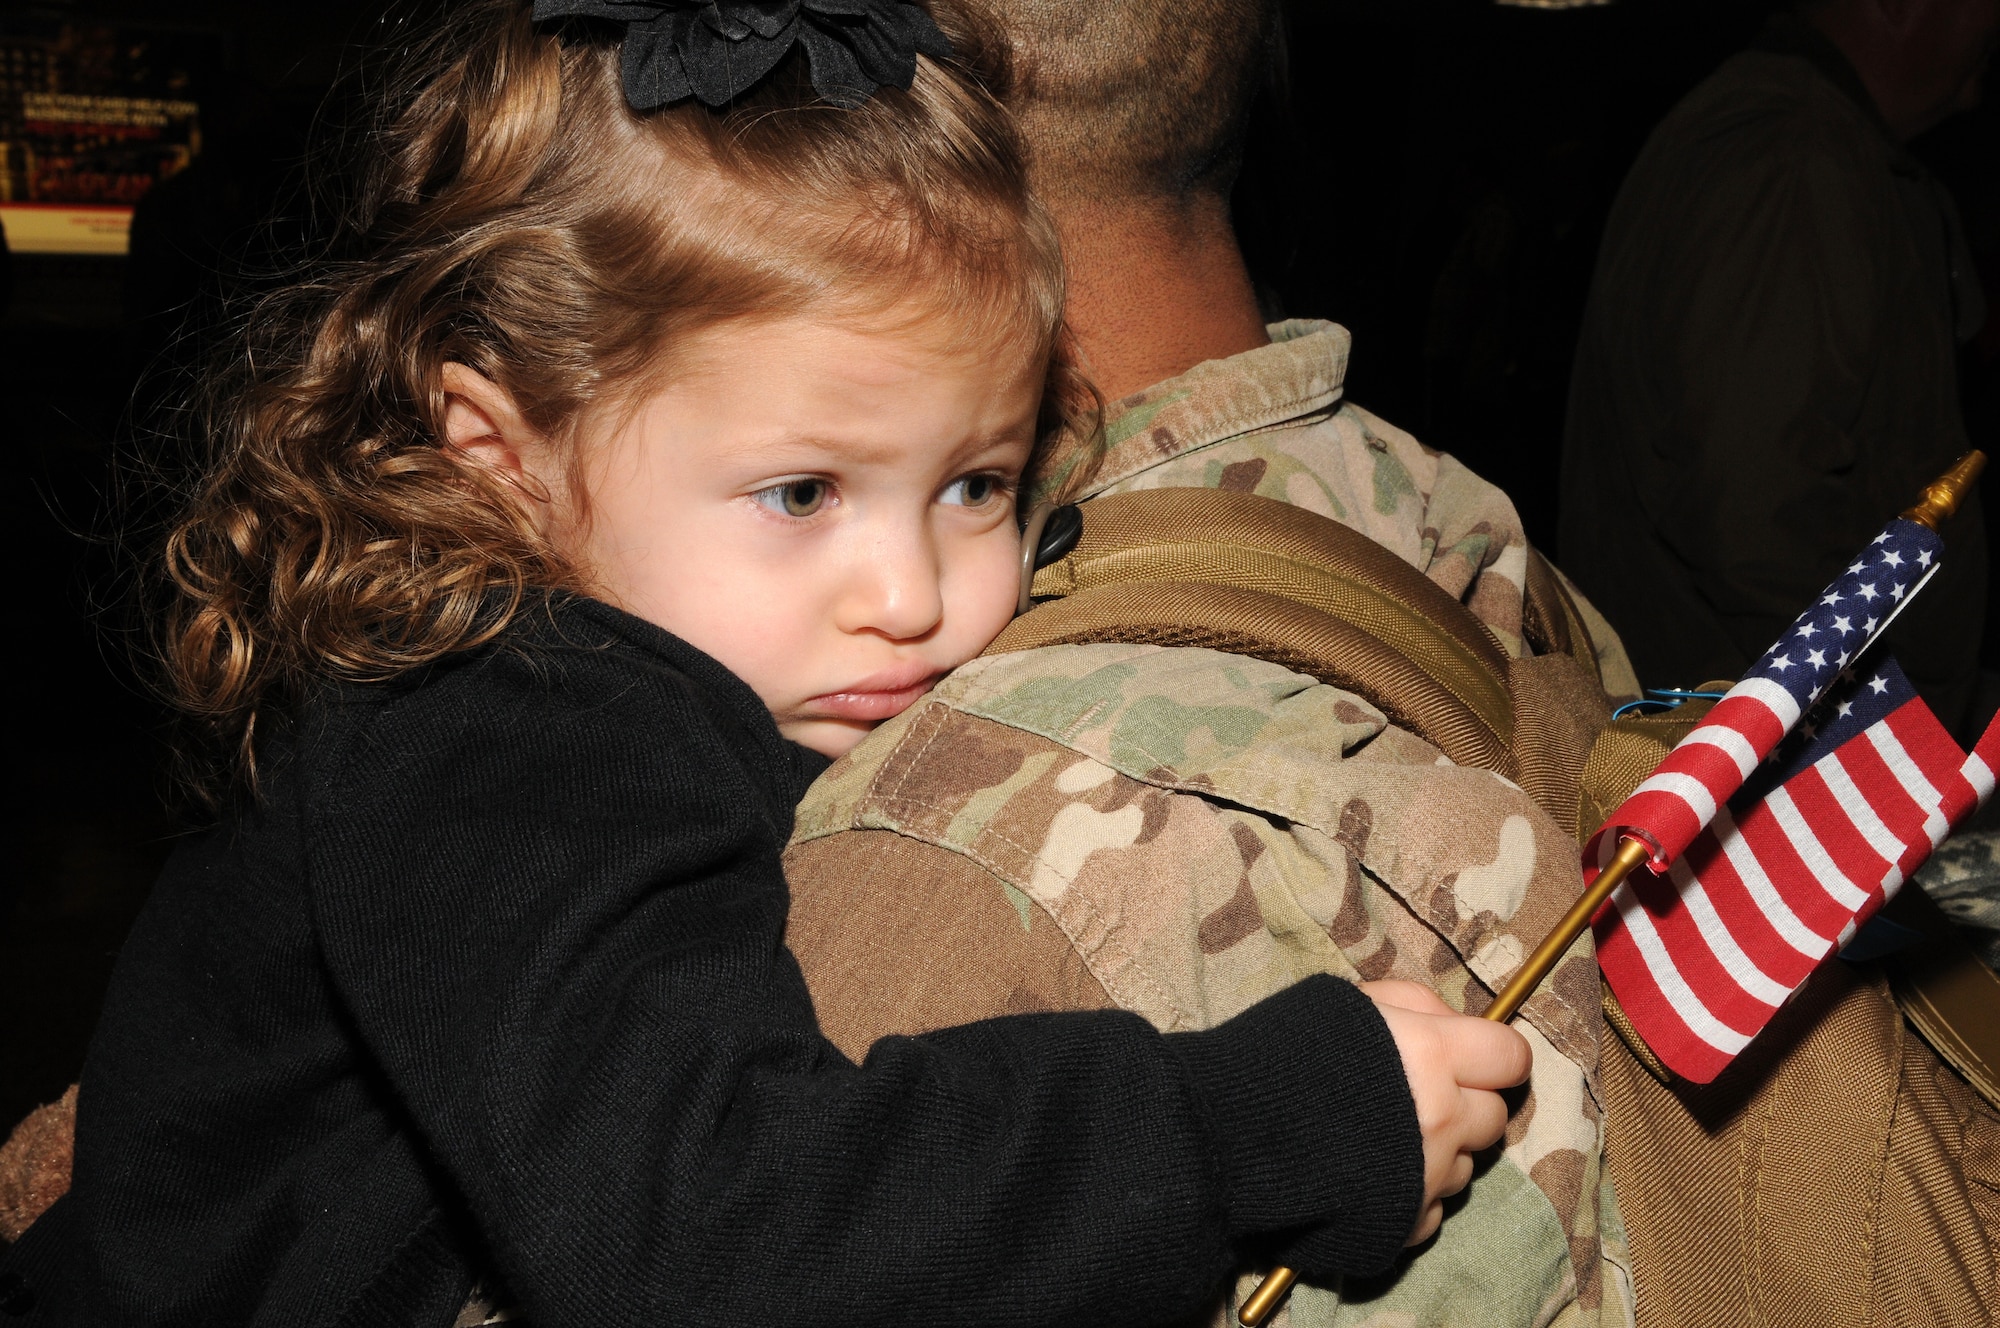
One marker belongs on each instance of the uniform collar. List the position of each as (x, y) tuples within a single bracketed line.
[(1300, 374)]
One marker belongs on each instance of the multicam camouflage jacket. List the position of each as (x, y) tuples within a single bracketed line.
[(1180, 832)]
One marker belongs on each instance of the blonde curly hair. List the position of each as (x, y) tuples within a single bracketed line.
[(514, 215)]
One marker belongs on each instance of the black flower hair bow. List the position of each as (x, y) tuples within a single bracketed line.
[(717, 49)]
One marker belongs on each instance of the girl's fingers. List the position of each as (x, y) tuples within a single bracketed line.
[(1489, 1055), (1482, 1119), (1412, 996), (1458, 1176), (1428, 1224)]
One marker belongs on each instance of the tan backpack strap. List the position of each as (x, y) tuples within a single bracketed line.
[(1550, 621), (1624, 753), (1631, 749), (1272, 627), (1946, 991), (1559, 711), (1255, 576)]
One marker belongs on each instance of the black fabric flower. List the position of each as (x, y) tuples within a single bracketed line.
[(717, 49)]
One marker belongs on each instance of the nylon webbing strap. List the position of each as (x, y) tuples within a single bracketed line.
[(1947, 992), (1270, 627), (1549, 616), (1255, 576)]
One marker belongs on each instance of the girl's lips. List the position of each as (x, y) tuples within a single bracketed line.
[(871, 701)]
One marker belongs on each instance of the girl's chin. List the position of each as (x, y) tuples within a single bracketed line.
[(832, 738)]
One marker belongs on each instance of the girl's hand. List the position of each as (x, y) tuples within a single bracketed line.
[(1454, 1062)]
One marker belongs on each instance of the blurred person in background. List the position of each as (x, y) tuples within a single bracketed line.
[(1768, 361)]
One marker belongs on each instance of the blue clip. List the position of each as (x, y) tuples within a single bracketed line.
[(1664, 699)]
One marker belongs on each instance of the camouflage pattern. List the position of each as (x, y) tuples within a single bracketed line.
[(1206, 828), (1274, 422), (1963, 876), (484, 1308)]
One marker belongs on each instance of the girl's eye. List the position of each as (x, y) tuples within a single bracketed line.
[(799, 498), (972, 491)]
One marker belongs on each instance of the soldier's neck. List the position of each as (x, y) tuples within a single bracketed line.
[(1155, 288)]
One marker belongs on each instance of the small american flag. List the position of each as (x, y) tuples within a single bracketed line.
[(1705, 770), (1812, 843)]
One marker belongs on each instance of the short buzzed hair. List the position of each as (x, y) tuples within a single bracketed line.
[(1127, 99)]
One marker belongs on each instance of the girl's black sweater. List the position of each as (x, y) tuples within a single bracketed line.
[(492, 983)]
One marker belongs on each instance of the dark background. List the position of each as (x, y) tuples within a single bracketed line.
[(1432, 173)]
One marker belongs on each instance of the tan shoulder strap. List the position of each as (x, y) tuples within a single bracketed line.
[(1250, 575), (1946, 991), (1255, 576), (1550, 620)]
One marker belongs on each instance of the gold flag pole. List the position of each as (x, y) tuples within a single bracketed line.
[(1940, 500)]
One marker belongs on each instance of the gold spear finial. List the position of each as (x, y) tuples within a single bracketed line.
[(1943, 494)]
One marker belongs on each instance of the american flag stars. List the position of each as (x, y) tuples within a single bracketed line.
[(1852, 611), (1734, 739)]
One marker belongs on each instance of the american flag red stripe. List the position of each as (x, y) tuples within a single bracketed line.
[(1707, 767), (1982, 765), (1703, 956)]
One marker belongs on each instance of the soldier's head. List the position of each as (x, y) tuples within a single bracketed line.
[(1131, 99)]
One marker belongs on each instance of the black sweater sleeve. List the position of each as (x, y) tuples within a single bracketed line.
[(547, 890)]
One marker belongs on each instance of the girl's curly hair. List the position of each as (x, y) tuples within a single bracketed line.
[(512, 214)]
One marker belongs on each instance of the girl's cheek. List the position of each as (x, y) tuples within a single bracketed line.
[(993, 589)]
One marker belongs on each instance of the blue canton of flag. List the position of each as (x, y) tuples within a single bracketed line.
[(1856, 608)]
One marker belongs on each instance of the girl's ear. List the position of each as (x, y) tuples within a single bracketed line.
[(482, 423)]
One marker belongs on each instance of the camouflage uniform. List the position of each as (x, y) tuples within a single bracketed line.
[(1963, 877), (1180, 832)]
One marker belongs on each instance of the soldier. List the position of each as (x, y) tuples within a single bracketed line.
[(1177, 831), (1172, 830)]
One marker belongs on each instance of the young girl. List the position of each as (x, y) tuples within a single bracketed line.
[(615, 449)]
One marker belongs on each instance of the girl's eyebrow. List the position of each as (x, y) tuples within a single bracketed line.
[(784, 446), (863, 451)]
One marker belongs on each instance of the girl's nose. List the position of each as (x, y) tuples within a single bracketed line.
[(893, 586)]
